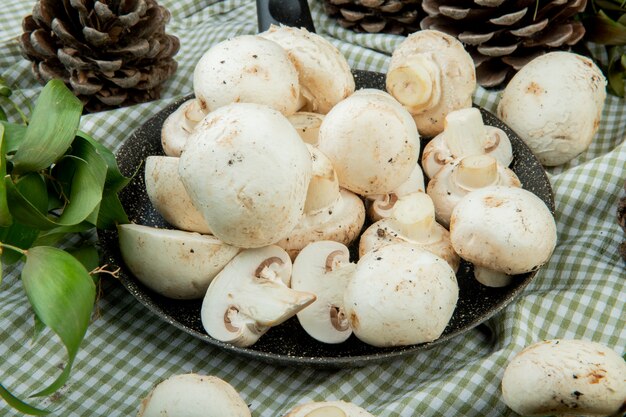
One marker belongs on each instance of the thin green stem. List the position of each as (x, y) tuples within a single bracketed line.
[(13, 248)]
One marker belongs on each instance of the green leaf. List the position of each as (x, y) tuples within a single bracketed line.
[(62, 294), (617, 71), (17, 235), (601, 29), (20, 405), (51, 130), (5, 215), (86, 255), (111, 212), (14, 136), (115, 181), (53, 236)]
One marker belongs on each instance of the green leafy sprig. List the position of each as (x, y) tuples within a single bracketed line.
[(55, 181)]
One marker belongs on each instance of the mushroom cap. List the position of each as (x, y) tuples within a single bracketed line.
[(247, 171), (174, 263), (247, 69), (178, 126), (372, 142), (324, 269), (506, 229), (324, 74), (193, 395), (400, 294), (169, 196), (250, 295), (565, 377), (554, 103), (328, 409), (307, 125)]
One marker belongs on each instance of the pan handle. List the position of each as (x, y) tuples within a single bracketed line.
[(294, 13)]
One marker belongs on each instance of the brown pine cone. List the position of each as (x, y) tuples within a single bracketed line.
[(376, 16)]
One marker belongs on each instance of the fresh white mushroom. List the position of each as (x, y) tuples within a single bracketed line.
[(178, 126), (372, 142), (431, 74), (330, 213), (380, 206), (247, 69), (250, 295), (324, 74), (505, 229), (328, 409), (412, 221), (461, 176), (324, 269), (247, 171), (566, 377), (174, 263), (400, 294), (554, 103), (169, 196), (465, 134), (193, 395), (307, 125)]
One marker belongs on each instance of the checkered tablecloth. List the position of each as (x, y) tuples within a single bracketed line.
[(580, 293)]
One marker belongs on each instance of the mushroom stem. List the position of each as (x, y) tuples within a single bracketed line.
[(414, 215), (415, 83), (323, 190), (465, 132), (490, 278), (476, 171)]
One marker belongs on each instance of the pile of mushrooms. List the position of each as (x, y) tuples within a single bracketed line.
[(277, 166)]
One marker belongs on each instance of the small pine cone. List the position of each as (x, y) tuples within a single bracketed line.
[(399, 17), (110, 53), (503, 35)]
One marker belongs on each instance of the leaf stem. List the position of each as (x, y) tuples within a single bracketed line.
[(13, 248)]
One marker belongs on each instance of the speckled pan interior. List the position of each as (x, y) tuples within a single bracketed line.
[(288, 344)]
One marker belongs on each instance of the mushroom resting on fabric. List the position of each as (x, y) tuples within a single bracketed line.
[(328, 409)]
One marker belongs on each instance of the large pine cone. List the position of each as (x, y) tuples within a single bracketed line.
[(503, 35), (110, 53), (399, 17)]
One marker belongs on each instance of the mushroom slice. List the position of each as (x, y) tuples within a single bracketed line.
[(328, 409), (412, 221), (459, 177), (324, 269), (381, 206), (193, 395), (250, 295), (174, 263), (465, 134), (307, 125), (178, 126), (169, 196)]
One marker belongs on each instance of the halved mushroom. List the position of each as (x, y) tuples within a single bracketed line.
[(169, 196), (250, 295), (324, 269), (193, 395), (307, 125), (372, 142), (412, 221), (328, 409), (459, 177), (465, 134), (247, 69), (381, 206), (431, 74), (174, 263), (324, 74), (178, 126), (400, 294)]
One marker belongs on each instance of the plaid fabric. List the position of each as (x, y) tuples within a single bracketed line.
[(580, 293)]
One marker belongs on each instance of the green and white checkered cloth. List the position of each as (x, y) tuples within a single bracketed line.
[(580, 293)]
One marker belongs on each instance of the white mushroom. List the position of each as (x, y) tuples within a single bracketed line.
[(174, 263), (324, 74), (324, 269), (400, 294), (465, 135), (307, 125), (169, 196), (247, 69), (372, 142), (412, 221), (380, 206), (461, 176), (193, 395), (178, 126), (566, 377), (506, 229), (250, 295), (554, 103), (431, 74), (328, 409), (247, 171)]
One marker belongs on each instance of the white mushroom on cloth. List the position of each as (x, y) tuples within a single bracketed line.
[(179, 125), (431, 74), (554, 103), (566, 377), (250, 295), (193, 395), (328, 409)]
